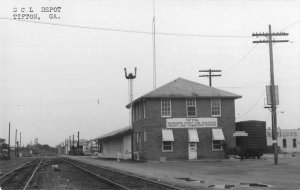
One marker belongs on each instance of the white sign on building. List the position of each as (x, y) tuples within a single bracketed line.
[(240, 134), (191, 122)]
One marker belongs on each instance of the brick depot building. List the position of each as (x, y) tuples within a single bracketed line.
[(183, 120)]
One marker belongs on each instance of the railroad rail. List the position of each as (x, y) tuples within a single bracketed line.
[(119, 179), (18, 178)]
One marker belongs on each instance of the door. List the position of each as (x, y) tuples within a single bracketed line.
[(192, 151)]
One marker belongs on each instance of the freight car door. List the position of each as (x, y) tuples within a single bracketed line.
[(192, 150)]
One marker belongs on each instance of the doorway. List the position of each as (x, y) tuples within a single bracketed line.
[(192, 151)]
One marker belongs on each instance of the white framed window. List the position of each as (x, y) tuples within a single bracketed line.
[(138, 112), (284, 143), (217, 145), (134, 113), (167, 146), (215, 107), (144, 111), (137, 136), (141, 111), (294, 143), (101, 146), (165, 107), (191, 108)]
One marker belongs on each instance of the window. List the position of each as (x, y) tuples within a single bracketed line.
[(284, 143), (141, 111), (191, 107), (144, 111), (215, 107), (137, 136), (134, 113), (138, 141), (137, 112), (145, 139), (166, 107), (217, 145), (294, 143), (100, 143), (167, 146)]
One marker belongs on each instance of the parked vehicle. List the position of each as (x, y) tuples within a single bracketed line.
[(255, 143), (87, 153)]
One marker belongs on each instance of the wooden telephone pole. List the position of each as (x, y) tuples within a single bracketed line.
[(270, 41), (210, 75)]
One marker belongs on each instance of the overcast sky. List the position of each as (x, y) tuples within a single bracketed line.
[(51, 76)]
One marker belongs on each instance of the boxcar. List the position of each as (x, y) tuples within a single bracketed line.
[(253, 145)]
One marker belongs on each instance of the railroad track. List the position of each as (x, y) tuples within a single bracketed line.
[(118, 179), (20, 177)]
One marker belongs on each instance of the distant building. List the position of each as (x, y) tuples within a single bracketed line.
[(180, 120), (287, 139), (2, 141)]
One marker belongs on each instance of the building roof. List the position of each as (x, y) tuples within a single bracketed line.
[(182, 88), (114, 133)]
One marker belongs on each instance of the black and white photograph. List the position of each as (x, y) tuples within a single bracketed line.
[(150, 94)]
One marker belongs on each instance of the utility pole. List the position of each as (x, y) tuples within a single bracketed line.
[(20, 145), (130, 77), (73, 146), (270, 41), (78, 144), (16, 142), (70, 144), (17, 148), (20, 139), (9, 140), (66, 146), (210, 75)]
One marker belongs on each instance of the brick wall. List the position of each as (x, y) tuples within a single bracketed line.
[(153, 123)]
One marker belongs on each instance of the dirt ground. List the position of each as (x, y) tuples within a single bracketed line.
[(217, 173)]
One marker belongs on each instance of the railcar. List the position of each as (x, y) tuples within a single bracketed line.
[(255, 143)]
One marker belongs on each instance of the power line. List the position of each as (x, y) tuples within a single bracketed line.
[(253, 48), (245, 113), (290, 25), (241, 59), (131, 31)]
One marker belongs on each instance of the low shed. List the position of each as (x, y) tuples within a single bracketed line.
[(116, 144)]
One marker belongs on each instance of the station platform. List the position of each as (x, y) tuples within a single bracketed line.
[(204, 174)]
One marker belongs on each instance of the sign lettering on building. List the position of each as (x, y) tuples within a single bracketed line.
[(240, 134), (191, 122)]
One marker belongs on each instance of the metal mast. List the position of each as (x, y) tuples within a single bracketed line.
[(154, 48), (130, 77)]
